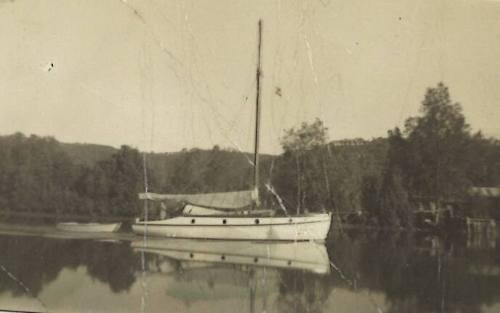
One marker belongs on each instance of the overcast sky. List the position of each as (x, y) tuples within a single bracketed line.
[(166, 75)]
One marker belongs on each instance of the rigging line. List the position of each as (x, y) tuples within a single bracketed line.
[(207, 124), (192, 111), (22, 285), (295, 62), (218, 115), (285, 96), (187, 94), (143, 66), (150, 76), (205, 84), (193, 87), (212, 158), (305, 21), (276, 64), (270, 188), (189, 81), (273, 191), (313, 71), (228, 130), (157, 41), (194, 180), (321, 48), (220, 118), (235, 120), (176, 60), (231, 124), (351, 283), (151, 34)]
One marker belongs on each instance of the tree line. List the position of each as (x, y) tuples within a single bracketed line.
[(435, 158), (37, 175)]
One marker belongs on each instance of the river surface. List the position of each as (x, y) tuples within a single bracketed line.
[(354, 272)]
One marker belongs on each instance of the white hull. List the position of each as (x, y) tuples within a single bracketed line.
[(308, 256), (295, 228), (89, 227)]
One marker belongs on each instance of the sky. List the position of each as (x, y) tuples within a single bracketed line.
[(167, 75)]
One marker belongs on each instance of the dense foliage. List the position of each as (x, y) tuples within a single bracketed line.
[(435, 160), (37, 175)]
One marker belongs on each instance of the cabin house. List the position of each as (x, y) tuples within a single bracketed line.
[(486, 199), (478, 212)]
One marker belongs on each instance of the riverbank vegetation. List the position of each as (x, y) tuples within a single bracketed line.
[(431, 164), (433, 160)]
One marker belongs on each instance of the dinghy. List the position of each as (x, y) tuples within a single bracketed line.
[(89, 227)]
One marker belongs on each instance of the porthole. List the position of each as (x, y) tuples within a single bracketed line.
[(290, 221), (193, 221), (255, 260), (257, 221), (289, 262), (224, 221), (223, 257), (191, 255)]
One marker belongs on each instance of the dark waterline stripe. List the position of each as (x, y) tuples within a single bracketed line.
[(262, 241), (227, 225)]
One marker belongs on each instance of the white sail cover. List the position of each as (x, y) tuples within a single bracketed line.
[(233, 200)]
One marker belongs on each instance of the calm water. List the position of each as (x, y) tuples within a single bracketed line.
[(370, 272)]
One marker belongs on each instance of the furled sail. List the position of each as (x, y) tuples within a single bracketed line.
[(234, 200)]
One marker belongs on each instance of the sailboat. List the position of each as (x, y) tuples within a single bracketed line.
[(233, 215)]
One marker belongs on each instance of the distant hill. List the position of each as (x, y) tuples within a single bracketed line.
[(186, 170), (198, 170), (86, 153)]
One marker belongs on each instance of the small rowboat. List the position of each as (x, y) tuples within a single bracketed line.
[(89, 227)]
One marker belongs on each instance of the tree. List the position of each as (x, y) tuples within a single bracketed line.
[(302, 166), (438, 148), (124, 173), (307, 137), (485, 170), (370, 186), (394, 207)]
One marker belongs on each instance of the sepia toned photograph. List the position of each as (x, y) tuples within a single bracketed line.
[(267, 156)]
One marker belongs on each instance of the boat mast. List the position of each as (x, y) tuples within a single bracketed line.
[(257, 121)]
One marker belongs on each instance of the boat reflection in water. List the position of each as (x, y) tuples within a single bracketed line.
[(261, 274), (309, 256)]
